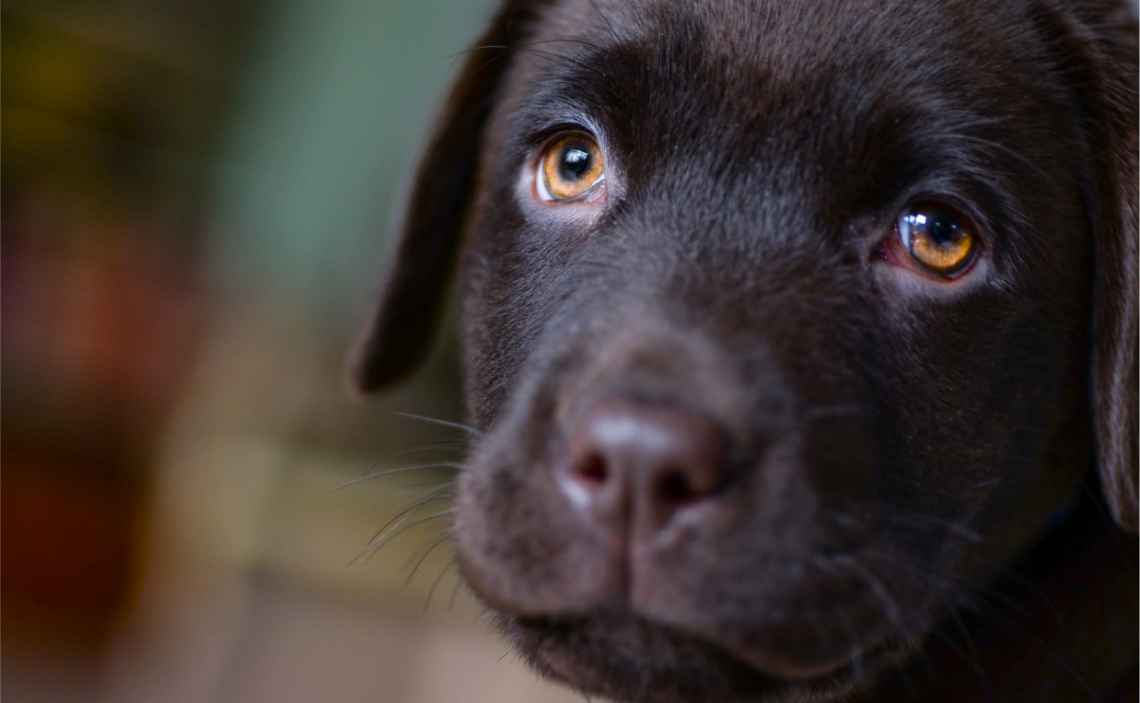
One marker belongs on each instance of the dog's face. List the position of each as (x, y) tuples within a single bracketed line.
[(778, 324)]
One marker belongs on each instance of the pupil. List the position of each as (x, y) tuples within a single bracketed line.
[(575, 164), (941, 228), (944, 230)]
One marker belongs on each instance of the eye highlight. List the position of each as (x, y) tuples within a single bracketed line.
[(569, 167), (938, 238)]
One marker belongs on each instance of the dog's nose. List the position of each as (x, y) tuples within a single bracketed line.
[(642, 464)]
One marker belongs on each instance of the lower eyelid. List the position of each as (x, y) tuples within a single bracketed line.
[(541, 193), (591, 201), (901, 285), (891, 252)]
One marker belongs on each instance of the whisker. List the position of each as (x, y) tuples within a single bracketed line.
[(850, 634), (435, 584), (423, 558), (566, 59), (433, 487), (878, 590), (474, 49), (473, 431), (454, 590), (956, 528), (444, 445), (897, 622), (399, 529), (565, 40), (399, 470), (520, 46), (888, 513), (398, 517), (958, 592), (970, 654), (410, 525), (395, 521)]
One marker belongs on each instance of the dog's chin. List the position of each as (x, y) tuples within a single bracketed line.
[(623, 656)]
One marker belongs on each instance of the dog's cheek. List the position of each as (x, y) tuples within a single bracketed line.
[(974, 429)]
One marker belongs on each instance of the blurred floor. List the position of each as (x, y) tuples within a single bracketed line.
[(194, 199)]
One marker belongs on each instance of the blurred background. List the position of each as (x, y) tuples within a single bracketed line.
[(194, 205)]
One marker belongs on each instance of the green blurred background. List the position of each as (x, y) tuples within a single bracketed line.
[(194, 204)]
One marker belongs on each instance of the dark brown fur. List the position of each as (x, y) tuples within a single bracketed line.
[(941, 487)]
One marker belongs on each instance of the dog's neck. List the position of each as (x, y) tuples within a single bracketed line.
[(1070, 636)]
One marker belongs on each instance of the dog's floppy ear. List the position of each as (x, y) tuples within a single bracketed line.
[(427, 239), (1115, 295)]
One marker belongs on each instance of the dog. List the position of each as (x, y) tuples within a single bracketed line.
[(801, 341)]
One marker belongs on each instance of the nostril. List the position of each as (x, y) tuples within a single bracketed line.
[(592, 470), (674, 487), (644, 461), (590, 482)]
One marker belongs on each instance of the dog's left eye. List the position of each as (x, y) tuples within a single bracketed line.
[(569, 167), (938, 238)]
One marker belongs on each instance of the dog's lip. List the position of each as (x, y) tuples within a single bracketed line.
[(769, 664), (770, 648), (580, 665), (769, 661), (772, 662), (569, 663)]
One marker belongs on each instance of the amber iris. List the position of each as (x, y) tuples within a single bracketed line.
[(938, 238), (570, 167)]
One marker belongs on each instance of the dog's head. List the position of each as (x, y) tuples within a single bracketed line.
[(786, 323)]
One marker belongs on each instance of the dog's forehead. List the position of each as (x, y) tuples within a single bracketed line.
[(773, 64), (778, 33), (841, 52)]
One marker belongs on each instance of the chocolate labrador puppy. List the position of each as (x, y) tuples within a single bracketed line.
[(801, 336)]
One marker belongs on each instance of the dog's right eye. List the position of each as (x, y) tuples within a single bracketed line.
[(570, 167), (933, 239), (939, 238)]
